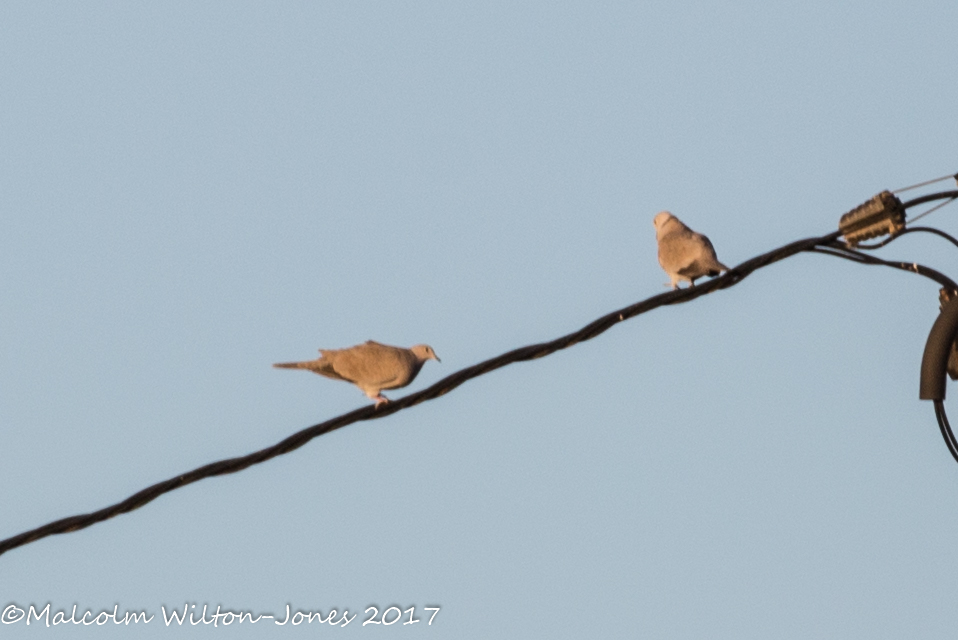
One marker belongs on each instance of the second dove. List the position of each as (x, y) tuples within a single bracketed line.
[(683, 253)]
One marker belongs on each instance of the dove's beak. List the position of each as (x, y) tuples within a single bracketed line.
[(436, 357)]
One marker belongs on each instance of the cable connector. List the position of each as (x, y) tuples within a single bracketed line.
[(882, 215)]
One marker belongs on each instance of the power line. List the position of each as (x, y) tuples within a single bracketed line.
[(827, 244)]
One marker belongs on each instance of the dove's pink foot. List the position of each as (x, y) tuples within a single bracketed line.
[(381, 399)]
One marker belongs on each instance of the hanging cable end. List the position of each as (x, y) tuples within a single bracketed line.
[(882, 215), (945, 295), (940, 349)]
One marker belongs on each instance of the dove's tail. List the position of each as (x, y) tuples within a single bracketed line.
[(715, 269), (294, 365)]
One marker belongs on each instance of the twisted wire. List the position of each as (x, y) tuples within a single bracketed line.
[(371, 412), (824, 244)]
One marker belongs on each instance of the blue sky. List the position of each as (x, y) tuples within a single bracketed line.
[(191, 192)]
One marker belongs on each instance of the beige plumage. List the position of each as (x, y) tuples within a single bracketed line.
[(371, 366), (683, 253)]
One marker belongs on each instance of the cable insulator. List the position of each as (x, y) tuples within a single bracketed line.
[(882, 215)]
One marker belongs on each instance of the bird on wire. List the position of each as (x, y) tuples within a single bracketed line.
[(372, 366), (683, 253)]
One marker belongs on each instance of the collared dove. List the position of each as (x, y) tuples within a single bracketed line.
[(683, 253), (371, 366)]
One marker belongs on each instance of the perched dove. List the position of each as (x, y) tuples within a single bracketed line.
[(683, 253), (371, 366)]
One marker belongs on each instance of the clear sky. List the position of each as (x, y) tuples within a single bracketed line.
[(190, 192)]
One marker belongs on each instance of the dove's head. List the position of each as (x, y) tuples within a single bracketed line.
[(424, 352), (661, 218), (662, 221)]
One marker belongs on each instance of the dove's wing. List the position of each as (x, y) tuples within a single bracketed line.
[(326, 365), (677, 251), (376, 366), (707, 261)]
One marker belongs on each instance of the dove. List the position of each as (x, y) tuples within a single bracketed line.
[(683, 253), (371, 366)]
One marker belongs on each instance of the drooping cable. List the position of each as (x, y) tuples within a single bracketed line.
[(839, 250), (945, 427), (826, 244), (444, 386), (937, 232)]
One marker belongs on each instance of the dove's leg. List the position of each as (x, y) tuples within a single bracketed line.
[(376, 396)]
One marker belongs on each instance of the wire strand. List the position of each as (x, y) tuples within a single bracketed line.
[(926, 183), (932, 210)]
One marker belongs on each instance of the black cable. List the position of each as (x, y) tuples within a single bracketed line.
[(444, 386), (937, 232), (945, 427), (877, 245), (839, 250), (941, 195), (232, 465)]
